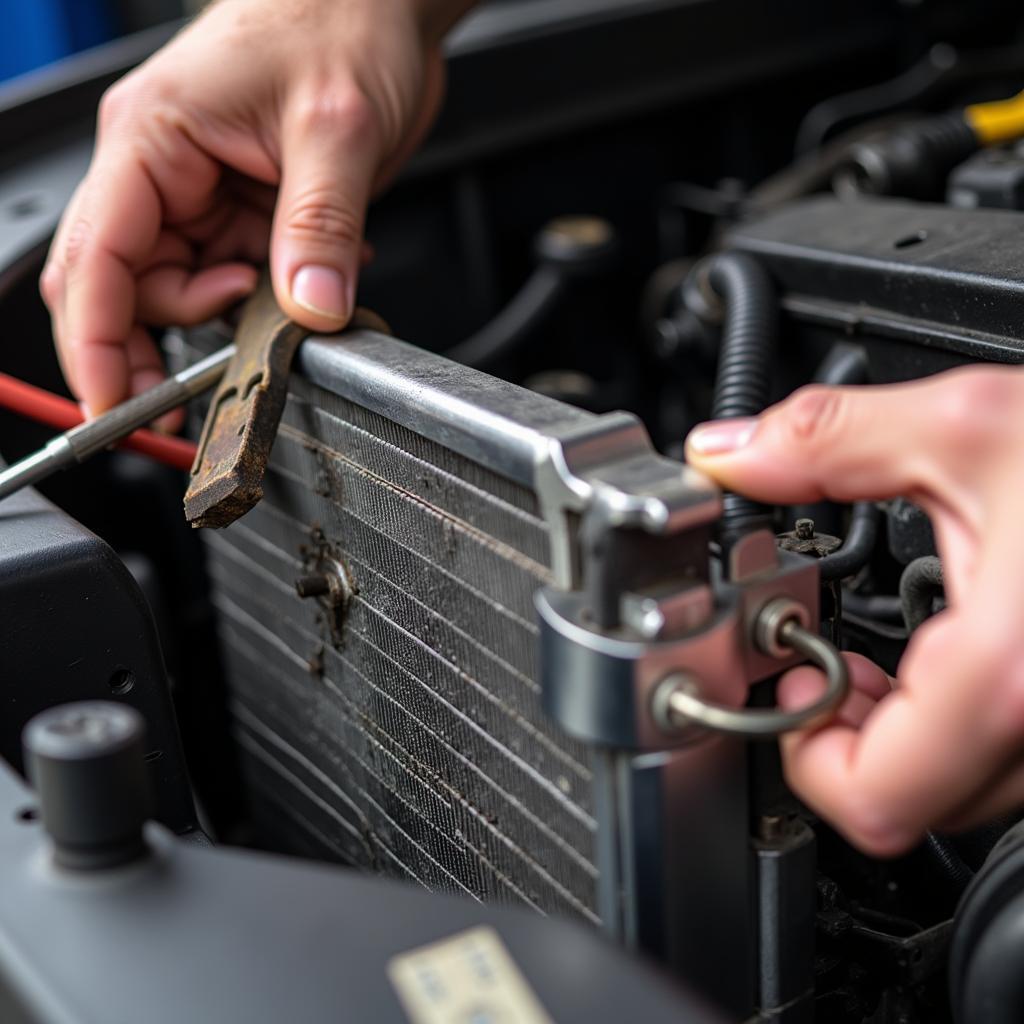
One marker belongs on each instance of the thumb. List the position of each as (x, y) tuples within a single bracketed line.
[(331, 151), (844, 444)]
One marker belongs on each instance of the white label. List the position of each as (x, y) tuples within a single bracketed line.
[(469, 978)]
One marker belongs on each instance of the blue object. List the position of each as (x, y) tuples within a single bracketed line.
[(36, 32)]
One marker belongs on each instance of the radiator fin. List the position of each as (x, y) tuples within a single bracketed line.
[(413, 743)]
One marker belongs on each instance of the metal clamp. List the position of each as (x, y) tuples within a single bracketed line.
[(780, 629)]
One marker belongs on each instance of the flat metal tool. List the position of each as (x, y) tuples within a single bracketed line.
[(84, 441), (242, 422)]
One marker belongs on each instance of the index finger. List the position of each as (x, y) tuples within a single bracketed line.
[(112, 224)]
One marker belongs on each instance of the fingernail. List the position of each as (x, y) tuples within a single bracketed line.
[(321, 290), (721, 436)]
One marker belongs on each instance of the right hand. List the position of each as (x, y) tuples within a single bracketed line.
[(262, 128), (942, 746)]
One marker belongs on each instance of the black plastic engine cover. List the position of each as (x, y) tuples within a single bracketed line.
[(926, 287)]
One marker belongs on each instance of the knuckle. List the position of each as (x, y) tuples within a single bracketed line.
[(867, 818), (975, 405), (51, 283), (345, 111), (814, 416), (869, 825), (77, 244), (116, 104), (320, 213)]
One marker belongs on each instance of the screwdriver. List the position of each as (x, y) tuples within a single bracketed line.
[(84, 441)]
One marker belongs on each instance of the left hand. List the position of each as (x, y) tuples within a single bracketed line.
[(942, 746)]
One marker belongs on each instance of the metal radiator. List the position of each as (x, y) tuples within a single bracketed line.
[(393, 719), (404, 733)]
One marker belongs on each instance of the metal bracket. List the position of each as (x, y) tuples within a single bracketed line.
[(604, 684)]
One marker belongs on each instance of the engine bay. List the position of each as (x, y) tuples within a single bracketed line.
[(619, 199)]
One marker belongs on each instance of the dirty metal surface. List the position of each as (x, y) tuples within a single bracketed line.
[(242, 422), (395, 721), (400, 730), (227, 477), (804, 539)]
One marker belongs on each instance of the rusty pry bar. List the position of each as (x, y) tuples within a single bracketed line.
[(242, 422)]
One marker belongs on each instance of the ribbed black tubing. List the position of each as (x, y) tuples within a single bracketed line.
[(858, 546), (749, 336), (948, 860), (922, 581)]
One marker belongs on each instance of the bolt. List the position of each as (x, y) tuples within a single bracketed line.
[(314, 585), (804, 529), (770, 828)]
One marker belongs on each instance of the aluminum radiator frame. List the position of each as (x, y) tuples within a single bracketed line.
[(406, 733)]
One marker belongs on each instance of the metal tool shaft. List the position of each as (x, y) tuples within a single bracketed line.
[(83, 441)]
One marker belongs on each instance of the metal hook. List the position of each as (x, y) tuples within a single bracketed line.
[(779, 630)]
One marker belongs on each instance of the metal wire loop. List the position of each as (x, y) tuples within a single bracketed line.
[(678, 702)]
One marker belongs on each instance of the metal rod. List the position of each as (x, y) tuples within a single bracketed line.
[(83, 441)]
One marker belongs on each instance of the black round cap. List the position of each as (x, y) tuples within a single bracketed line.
[(85, 761)]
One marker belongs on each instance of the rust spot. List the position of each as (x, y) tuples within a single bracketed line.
[(242, 422), (315, 663)]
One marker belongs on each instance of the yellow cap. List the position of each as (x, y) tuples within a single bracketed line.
[(999, 121)]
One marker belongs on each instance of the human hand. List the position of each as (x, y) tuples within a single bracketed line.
[(943, 744), (263, 127)]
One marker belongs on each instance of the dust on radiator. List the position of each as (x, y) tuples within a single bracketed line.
[(409, 740)]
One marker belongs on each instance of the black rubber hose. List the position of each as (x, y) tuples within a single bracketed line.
[(908, 87), (813, 171), (844, 364), (912, 161), (920, 584), (949, 861), (749, 332), (524, 314), (885, 607), (749, 335), (858, 546)]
